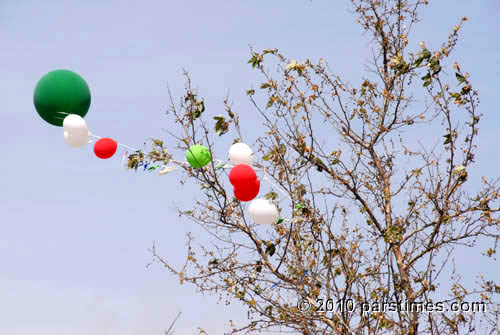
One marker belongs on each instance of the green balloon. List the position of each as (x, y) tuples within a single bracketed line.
[(198, 156), (59, 93)]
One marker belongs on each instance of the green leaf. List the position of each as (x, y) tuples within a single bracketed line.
[(299, 206), (258, 290), (497, 288), (270, 102), (403, 68), (190, 97), (424, 54), (282, 149), (434, 66), (448, 139), (200, 108), (240, 295), (266, 157), (465, 90), (426, 77), (280, 220), (255, 60), (271, 195), (158, 143), (460, 78), (417, 62), (258, 268), (417, 172), (269, 51), (329, 253), (265, 85), (270, 249), (221, 126)]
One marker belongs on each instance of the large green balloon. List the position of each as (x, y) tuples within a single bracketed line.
[(59, 93), (198, 156)]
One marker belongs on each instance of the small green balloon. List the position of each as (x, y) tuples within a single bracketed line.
[(60, 93), (198, 156)]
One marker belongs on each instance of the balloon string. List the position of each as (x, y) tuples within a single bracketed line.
[(275, 186), (125, 155), (127, 147), (228, 166), (120, 144), (94, 135)]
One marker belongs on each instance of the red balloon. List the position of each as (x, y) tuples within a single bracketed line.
[(105, 148), (247, 192), (241, 175)]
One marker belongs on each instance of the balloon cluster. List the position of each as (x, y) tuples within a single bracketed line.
[(246, 185), (242, 176), (62, 98)]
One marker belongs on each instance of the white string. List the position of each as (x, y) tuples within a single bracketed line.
[(120, 144), (275, 186), (127, 147), (125, 154)]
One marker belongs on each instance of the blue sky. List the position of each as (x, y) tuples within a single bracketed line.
[(75, 230)]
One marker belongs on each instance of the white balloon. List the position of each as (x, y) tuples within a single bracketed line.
[(240, 153), (76, 140), (75, 125), (263, 212)]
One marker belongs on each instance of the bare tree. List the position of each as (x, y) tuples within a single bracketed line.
[(369, 215)]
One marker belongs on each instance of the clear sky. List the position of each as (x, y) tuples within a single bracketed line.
[(75, 230)]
